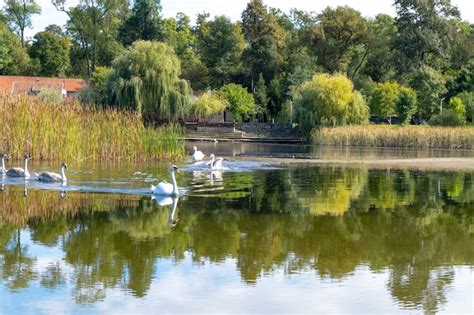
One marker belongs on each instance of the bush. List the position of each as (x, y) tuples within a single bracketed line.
[(467, 99), (208, 104), (406, 105), (328, 100), (50, 96), (448, 118), (241, 103)]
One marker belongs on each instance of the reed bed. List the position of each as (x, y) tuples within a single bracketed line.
[(49, 131), (424, 137)]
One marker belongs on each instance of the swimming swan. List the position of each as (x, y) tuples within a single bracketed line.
[(18, 171), (50, 177), (3, 170), (167, 189), (215, 163), (198, 155)]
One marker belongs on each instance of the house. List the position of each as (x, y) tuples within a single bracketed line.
[(34, 85)]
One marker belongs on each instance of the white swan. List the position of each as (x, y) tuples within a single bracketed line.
[(198, 155), (3, 170), (215, 163), (167, 189), (50, 177), (18, 171)]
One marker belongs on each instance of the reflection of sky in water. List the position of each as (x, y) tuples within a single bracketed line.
[(205, 287)]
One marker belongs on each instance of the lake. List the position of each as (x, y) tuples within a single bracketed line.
[(255, 238)]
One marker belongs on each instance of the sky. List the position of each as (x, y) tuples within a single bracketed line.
[(233, 9)]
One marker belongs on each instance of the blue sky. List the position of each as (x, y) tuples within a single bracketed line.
[(234, 8)]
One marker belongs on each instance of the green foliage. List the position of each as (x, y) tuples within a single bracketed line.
[(328, 100), (220, 44), (286, 113), (448, 118), (456, 105), (464, 80), (467, 99), (208, 104), (50, 96), (18, 14), (241, 102), (340, 30), (429, 85), (13, 58), (146, 79), (144, 23), (406, 105), (384, 98), (99, 82), (52, 52)]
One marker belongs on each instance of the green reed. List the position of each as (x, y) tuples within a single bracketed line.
[(54, 132), (425, 137)]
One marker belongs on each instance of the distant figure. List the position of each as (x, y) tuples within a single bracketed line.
[(198, 155), (215, 163)]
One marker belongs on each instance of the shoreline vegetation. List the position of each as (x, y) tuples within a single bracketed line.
[(64, 132), (391, 136)]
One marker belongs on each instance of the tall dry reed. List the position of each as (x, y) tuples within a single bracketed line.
[(49, 131), (425, 137)]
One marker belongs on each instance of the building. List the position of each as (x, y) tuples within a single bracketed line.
[(34, 85)]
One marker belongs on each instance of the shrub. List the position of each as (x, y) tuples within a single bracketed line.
[(448, 118), (241, 102), (208, 104), (406, 105)]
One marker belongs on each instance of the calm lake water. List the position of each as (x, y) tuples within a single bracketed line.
[(254, 238)]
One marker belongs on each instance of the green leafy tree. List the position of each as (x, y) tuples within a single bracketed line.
[(18, 13), (456, 105), (144, 23), (406, 105), (429, 85), (145, 78), (340, 30), (422, 27), (379, 63), (384, 98), (14, 59), (264, 37), (93, 26), (52, 52), (220, 44), (328, 100), (208, 104), (241, 102), (467, 99), (463, 81), (260, 95)]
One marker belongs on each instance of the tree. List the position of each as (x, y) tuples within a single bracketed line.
[(340, 30), (144, 23), (463, 81), (19, 14), (422, 27), (208, 104), (328, 100), (456, 105), (429, 85), (93, 25), (52, 52), (145, 78), (467, 99), (220, 44), (14, 59), (264, 38), (379, 63), (241, 102), (384, 98), (406, 105)]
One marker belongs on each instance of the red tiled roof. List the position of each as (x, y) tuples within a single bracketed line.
[(7, 83)]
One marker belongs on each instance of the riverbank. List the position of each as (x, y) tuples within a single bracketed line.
[(385, 136), (55, 131)]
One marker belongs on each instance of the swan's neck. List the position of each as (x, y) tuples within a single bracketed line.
[(63, 174), (173, 211), (175, 185), (3, 164), (26, 168)]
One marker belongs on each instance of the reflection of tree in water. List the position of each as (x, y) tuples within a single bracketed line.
[(407, 223)]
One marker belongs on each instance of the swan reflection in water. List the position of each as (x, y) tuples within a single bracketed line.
[(166, 201)]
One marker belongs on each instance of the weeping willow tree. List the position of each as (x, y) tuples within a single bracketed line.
[(146, 79)]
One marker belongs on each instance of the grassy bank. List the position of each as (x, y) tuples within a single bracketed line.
[(49, 131), (423, 137)]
